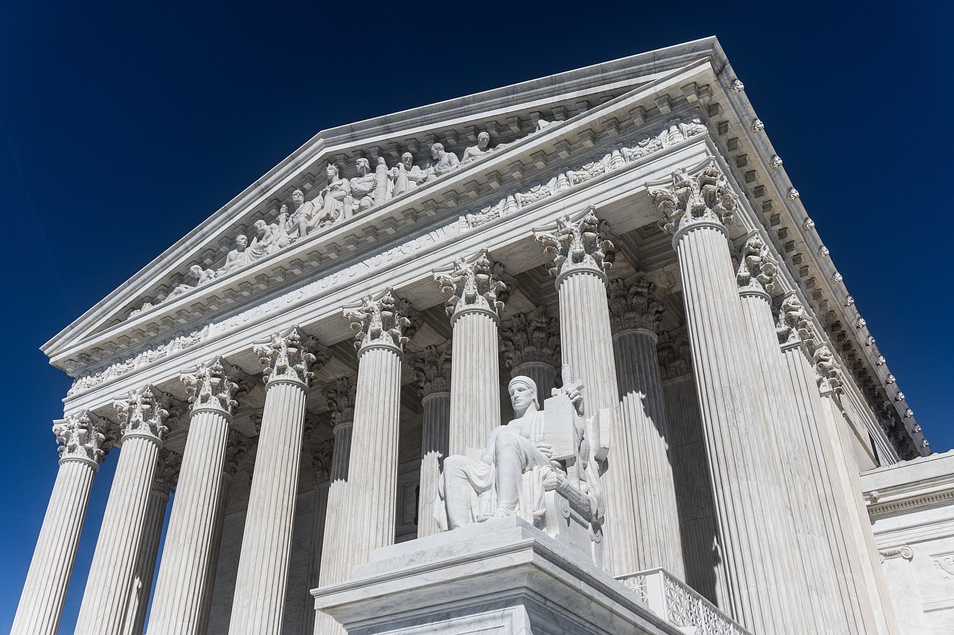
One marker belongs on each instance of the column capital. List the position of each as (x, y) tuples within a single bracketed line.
[(633, 305), (143, 413), (828, 374), (695, 200), (81, 437), (757, 269), (340, 399), (793, 326), (577, 246), (167, 471), (236, 448), (380, 322), (473, 284), (211, 386), (432, 368), (290, 357), (531, 337), (675, 354), (322, 454)]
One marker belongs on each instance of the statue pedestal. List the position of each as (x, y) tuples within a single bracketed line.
[(502, 576)]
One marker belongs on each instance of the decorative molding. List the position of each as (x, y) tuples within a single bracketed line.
[(757, 269), (81, 437), (943, 566), (212, 386), (695, 199), (432, 369), (474, 284), (531, 337), (289, 357), (931, 498), (793, 324), (143, 413), (579, 245), (634, 305), (622, 155), (176, 344), (380, 322)]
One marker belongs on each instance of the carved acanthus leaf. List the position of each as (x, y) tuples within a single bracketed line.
[(474, 284), (531, 337), (757, 269), (290, 356), (380, 322), (167, 471), (634, 305), (321, 458), (689, 199), (81, 436), (212, 386), (144, 412), (793, 324), (340, 399), (675, 354), (829, 376), (236, 449), (578, 245), (432, 368)]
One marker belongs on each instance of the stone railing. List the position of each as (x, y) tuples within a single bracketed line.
[(678, 604)]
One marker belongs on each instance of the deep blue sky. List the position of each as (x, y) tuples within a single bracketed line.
[(125, 124)]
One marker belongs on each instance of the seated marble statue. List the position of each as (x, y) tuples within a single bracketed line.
[(362, 187), (238, 257), (441, 161), (535, 453), (475, 152), (405, 175)]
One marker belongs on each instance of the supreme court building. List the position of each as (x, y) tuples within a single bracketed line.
[(725, 447)]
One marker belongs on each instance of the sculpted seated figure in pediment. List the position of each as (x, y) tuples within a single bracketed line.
[(441, 161), (538, 451)]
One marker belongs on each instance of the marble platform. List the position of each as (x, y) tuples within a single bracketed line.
[(503, 577)]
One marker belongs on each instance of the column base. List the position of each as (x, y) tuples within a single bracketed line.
[(502, 575)]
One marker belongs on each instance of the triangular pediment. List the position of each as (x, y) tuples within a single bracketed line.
[(486, 139)]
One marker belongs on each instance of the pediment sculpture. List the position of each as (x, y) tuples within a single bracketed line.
[(538, 466)]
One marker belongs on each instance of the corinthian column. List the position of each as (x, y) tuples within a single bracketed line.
[(432, 366), (259, 601), (81, 442), (753, 524), (167, 469), (334, 549), (531, 347), (842, 574), (581, 255), (634, 318), (756, 277), (178, 607), (110, 588), (477, 297)]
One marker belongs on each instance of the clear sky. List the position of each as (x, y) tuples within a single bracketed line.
[(123, 125)]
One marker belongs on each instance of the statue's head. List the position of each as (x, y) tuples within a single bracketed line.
[(298, 197), (362, 164), (523, 392), (408, 160), (436, 150), (483, 139)]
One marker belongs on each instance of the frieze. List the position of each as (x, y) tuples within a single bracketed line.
[(176, 344), (620, 156)]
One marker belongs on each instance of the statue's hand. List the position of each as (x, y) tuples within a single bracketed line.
[(573, 394), (545, 449)]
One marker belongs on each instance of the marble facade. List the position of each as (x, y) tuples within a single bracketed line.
[(297, 369)]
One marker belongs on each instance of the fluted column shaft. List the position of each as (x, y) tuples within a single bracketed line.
[(816, 583), (587, 346), (645, 430), (745, 485), (434, 446), (44, 592), (333, 549), (183, 580), (148, 554), (258, 604), (110, 587), (475, 380), (374, 447)]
